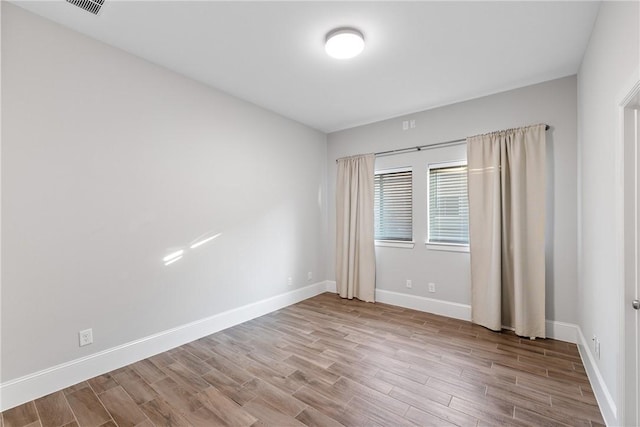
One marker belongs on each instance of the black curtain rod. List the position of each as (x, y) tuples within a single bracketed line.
[(421, 147), (426, 146)]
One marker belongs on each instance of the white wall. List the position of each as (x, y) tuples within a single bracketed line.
[(609, 67), (109, 163), (553, 103)]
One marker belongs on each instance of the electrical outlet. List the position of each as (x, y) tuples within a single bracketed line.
[(432, 287), (405, 124), (310, 276), (596, 346), (85, 337), (412, 124), (290, 281), (409, 284)]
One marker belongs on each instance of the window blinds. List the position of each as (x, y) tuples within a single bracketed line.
[(448, 204), (393, 206)]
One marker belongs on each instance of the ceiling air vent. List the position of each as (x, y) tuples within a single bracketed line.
[(92, 6)]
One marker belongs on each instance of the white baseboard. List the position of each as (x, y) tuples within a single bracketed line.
[(331, 286), (603, 396), (429, 305), (38, 384), (41, 383), (562, 331)]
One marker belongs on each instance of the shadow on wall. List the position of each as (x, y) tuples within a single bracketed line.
[(550, 228)]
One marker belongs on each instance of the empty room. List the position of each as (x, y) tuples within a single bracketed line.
[(388, 213)]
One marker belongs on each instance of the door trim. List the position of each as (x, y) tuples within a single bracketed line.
[(629, 235)]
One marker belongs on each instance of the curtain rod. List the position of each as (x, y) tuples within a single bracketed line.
[(421, 147), (426, 146)]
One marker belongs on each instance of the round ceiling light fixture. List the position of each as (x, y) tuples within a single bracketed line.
[(344, 43)]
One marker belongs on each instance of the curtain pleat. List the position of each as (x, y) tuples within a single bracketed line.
[(355, 247), (506, 229)]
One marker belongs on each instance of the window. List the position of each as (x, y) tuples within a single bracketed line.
[(393, 205), (448, 204)]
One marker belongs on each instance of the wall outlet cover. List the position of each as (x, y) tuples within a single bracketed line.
[(85, 337)]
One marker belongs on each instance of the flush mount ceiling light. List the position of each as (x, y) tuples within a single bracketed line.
[(344, 43)]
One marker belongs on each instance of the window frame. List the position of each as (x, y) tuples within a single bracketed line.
[(391, 243), (443, 246)]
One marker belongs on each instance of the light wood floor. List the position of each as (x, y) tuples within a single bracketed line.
[(331, 362)]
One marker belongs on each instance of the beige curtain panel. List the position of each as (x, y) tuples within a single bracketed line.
[(506, 229), (355, 250)]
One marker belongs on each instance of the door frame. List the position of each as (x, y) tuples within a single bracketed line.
[(629, 372)]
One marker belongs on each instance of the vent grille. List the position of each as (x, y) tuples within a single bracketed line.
[(92, 6)]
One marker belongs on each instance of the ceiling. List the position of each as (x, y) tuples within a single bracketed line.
[(418, 55)]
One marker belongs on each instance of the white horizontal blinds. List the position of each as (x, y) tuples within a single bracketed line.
[(448, 204), (393, 205)]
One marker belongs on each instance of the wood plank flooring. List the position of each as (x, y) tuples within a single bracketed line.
[(333, 362)]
